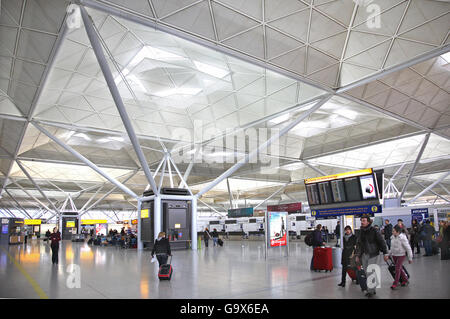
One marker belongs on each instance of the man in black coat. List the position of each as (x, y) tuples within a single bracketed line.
[(388, 233), (317, 241), (368, 247)]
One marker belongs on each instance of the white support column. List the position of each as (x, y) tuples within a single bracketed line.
[(140, 245), (314, 168), (157, 216), (36, 185), (86, 161), (183, 181), (428, 188), (262, 147), (413, 170), (103, 63), (161, 179), (431, 191), (279, 190), (194, 223)]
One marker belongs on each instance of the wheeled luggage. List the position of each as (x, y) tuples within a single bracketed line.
[(362, 278), (391, 268), (165, 271), (323, 259), (220, 242), (352, 273)]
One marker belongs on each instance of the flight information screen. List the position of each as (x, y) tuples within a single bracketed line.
[(325, 193), (313, 194), (352, 189), (338, 190)]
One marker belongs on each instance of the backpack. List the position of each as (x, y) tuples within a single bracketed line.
[(309, 239)]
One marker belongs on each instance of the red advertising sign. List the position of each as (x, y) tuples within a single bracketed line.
[(277, 228), (289, 208)]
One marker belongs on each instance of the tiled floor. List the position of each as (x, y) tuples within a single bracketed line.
[(237, 270)]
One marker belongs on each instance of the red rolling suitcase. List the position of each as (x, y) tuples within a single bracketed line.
[(352, 273), (165, 271), (323, 259)]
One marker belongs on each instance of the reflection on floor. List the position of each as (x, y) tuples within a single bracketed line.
[(236, 270)]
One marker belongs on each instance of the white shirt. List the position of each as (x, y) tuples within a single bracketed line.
[(400, 246)]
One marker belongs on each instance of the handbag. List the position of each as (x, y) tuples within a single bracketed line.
[(153, 259)]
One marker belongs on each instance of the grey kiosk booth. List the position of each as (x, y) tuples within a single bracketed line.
[(175, 219)]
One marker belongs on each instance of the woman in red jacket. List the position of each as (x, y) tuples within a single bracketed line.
[(55, 238)]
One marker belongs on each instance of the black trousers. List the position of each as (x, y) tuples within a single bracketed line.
[(415, 243), (162, 259), (55, 251)]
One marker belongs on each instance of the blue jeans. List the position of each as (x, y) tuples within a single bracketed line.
[(215, 239), (427, 245)]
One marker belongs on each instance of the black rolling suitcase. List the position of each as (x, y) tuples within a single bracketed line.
[(391, 268), (165, 271), (220, 242)]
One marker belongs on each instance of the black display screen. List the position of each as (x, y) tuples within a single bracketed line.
[(313, 194), (325, 193), (338, 190), (233, 221), (352, 189)]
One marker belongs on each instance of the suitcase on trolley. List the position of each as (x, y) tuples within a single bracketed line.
[(165, 271), (323, 259)]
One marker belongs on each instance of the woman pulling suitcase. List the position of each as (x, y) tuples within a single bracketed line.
[(399, 249), (347, 252), (162, 249)]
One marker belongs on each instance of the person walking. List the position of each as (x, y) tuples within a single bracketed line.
[(428, 232), (368, 246), (387, 233), (162, 249), (47, 235), (55, 238), (317, 241), (215, 236), (445, 240), (414, 235), (337, 233), (349, 243), (206, 236), (400, 248)]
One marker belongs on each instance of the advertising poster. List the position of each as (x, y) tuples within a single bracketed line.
[(368, 187), (277, 228)]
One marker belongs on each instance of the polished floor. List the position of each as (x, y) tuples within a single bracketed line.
[(238, 270)]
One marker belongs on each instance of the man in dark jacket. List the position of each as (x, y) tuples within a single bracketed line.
[(388, 233), (317, 241), (55, 238), (337, 232), (428, 232), (162, 249), (368, 247)]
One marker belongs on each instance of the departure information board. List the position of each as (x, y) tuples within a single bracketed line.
[(345, 193)]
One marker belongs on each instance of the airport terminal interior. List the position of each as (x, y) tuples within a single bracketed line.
[(236, 128)]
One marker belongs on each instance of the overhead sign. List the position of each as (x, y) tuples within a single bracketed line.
[(277, 228), (93, 221), (292, 208), (338, 176), (5, 220), (419, 214), (134, 221), (241, 212), (33, 221), (355, 210), (70, 224)]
